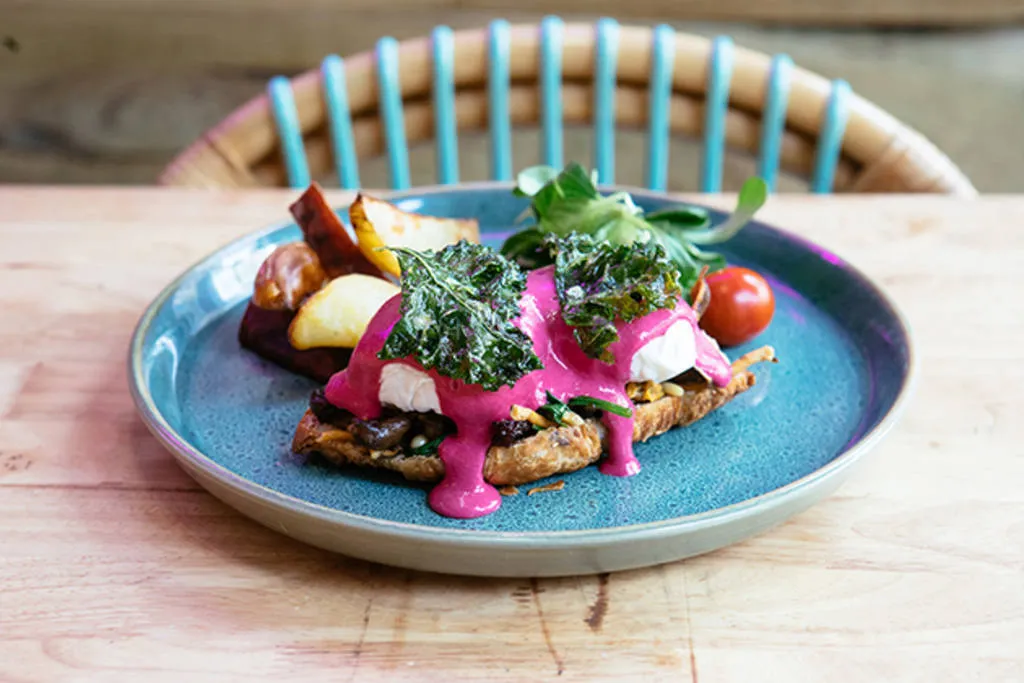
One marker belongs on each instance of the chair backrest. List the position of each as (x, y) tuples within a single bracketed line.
[(551, 75)]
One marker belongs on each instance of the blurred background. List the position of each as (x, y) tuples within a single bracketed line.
[(108, 91)]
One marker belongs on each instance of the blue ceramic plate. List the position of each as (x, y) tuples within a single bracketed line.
[(228, 417)]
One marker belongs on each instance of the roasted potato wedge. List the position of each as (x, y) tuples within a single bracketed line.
[(338, 314), (325, 234), (379, 224), (290, 274)]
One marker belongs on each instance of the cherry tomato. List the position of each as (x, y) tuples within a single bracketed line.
[(742, 305)]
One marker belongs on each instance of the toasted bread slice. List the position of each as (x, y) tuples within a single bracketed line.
[(552, 451)]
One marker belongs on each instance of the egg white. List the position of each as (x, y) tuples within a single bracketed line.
[(408, 389), (665, 357), (659, 360)]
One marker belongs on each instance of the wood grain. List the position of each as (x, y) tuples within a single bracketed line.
[(115, 566)]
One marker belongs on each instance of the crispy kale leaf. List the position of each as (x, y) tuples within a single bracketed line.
[(598, 282), (458, 305)]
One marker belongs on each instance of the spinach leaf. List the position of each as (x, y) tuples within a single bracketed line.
[(532, 180), (554, 409), (751, 197), (600, 404), (429, 448), (526, 248)]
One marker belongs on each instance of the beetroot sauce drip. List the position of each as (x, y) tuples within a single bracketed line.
[(568, 372)]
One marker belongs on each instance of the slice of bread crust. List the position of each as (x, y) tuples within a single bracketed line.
[(555, 450)]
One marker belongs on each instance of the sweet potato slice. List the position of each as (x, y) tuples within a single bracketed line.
[(325, 233)]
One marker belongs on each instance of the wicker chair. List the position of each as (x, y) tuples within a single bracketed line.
[(553, 74)]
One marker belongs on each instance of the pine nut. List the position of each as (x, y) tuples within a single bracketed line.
[(519, 412), (672, 389), (572, 419)]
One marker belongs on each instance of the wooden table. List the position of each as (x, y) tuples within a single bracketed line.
[(115, 566)]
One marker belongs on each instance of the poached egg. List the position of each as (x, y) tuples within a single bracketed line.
[(661, 359), (665, 357), (408, 389)]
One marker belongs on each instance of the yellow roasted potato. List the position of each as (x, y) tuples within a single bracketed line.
[(378, 224), (337, 315)]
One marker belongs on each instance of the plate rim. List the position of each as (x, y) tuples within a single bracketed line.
[(180, 447)]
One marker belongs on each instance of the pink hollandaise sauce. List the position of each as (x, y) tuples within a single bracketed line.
[(567, 373)]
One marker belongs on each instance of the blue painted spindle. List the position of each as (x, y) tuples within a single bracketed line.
[(830, 139), (498, 87), (391, 110), (773, 120), (286, 118), (604, 99), (551, 91), (716, 105), (346, 161), (445, 129), (662, 63)]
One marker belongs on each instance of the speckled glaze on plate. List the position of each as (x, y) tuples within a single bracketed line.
[(228, 418)]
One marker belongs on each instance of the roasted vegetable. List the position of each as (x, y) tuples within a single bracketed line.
[(324, 232), (291, 273), (265, 333), (378, 225), (338, 314)]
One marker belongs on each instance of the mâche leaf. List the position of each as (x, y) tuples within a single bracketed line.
[(458, 308), (681, 216), (599, 282), (752, 197), (569, 202), (532, 180)]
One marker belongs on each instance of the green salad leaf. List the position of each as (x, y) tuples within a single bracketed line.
[(457, 313), (554, 409), (600, 404), (429, 448), (598, 282), (569, 202)]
